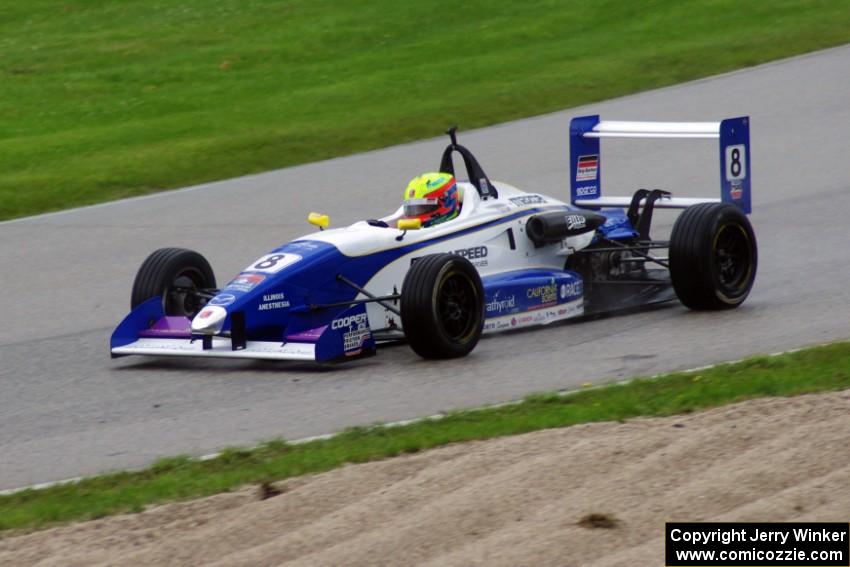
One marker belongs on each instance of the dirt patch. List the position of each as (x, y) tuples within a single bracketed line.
[(598, 522), (534, 499)]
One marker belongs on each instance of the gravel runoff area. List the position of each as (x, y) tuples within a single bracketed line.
[(595, 494)]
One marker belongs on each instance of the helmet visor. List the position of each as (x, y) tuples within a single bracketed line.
[(419, 207)]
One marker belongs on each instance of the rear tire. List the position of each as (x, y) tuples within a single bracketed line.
[(442, 306), (713, 256), (170, 268)]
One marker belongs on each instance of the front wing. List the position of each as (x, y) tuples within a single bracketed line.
[(148, 331), (221, 347)]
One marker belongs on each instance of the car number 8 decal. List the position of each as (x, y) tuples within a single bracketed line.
[(273, 263), (736, 162)]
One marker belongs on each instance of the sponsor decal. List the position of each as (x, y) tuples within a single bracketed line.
[(222, 299), (476, 255), (437, 181), (273, 301), (586, 191), (523, 200), (736, 191), (498, 306), (352, 341), (587, 168), (571, 289), (273, 263), (209, 319), (299, 349), (471, 253), (359, 319), (305, 244), (576, 222), (245, 282), (537, 316), (494, 325), (272, 305), (545, 293), (358, 332)]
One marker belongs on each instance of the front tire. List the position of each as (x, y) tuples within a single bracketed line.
[(175, 275), (442, 306), (713, 257)]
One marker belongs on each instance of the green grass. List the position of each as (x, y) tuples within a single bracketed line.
[(814, 370), (104, 99)]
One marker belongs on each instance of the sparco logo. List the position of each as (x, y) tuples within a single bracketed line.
[(527, 200), (358, 319), (497, 305), (587, 190), (471, 253)]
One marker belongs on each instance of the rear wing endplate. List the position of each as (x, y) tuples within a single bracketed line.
[(586, 158)]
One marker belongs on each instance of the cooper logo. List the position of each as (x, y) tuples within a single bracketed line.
[(527, 200), (471, 253), (358, 319), (575, 222)]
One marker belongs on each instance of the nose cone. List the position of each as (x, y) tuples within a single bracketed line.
[(209, 321)]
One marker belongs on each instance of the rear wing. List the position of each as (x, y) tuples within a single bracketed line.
[(586, 158)]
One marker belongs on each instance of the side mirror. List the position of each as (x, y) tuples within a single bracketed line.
[(319, 220), (409, 224)]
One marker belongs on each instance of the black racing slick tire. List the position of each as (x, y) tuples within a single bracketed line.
[(713, 257), (442, 306), (175, 275)]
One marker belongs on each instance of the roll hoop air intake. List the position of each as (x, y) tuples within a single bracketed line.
[(554, 227)]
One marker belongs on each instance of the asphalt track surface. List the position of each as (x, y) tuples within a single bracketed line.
[(67, 409)]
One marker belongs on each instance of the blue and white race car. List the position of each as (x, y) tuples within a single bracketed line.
[(509, 260)]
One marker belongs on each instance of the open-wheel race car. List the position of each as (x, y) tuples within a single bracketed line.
[(508, 260)]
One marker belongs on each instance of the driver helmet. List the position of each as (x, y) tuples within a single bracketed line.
[(432, 198)]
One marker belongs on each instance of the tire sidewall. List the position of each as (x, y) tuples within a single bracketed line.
[(724, 221), (694, 269), (420, 311), (448, 270), (160, 270)]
